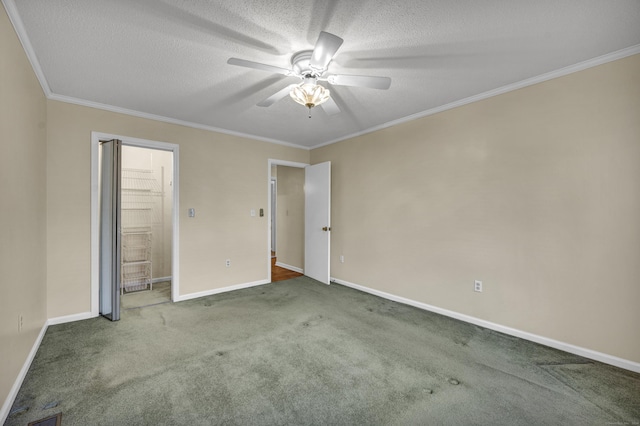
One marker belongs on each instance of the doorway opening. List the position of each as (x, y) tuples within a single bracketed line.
[(302, 221), (142, 266), (146, 205), (287, 222)]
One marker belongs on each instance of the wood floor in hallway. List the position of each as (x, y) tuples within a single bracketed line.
[(280, 274)]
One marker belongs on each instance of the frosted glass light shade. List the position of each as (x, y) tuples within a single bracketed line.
[(309, 94)]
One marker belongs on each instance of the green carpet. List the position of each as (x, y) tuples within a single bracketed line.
[(298, 352), (161, 293)]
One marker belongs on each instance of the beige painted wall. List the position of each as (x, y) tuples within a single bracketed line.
[(23, 206), (223, 177), (536, 192), (290, 216)]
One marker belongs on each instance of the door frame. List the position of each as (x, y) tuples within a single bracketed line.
[(273, 195), (273, 162), (96, 137)]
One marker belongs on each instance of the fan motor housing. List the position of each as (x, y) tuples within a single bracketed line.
[(300, 64)]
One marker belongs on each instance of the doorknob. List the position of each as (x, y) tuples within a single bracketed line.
[(326, 228)]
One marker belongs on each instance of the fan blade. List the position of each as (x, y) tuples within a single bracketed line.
[(277, 96), (259, 66), (326, 46), (382, 83), (330, 107)]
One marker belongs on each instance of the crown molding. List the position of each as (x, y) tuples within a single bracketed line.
[(14, 17), (580, 66), (16, 21), (134, 113)]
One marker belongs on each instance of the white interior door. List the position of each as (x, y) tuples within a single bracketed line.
[(317, 228)]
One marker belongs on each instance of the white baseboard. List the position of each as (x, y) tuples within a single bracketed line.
[(160, 280), (220, 290), (577, 350), (289, 267), (13, 393), (71, 318)]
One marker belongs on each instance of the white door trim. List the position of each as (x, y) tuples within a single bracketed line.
[(274, 208), (96, 137), (274, 162)]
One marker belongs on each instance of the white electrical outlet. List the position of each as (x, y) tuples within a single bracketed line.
[(477, 286), (341, 258), (227, 263)]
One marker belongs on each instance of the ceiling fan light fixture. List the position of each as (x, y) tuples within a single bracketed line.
[(311, 66), (309, 94)]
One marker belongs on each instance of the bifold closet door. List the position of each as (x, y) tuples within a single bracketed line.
[(110, 179)]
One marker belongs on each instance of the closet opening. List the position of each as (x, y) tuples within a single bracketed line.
[(134, 224), (146, 209)]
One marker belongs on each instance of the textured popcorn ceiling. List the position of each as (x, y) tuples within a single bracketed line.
[(169, 58)]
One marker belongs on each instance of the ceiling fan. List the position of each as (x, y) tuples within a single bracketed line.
[(312, 66)]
